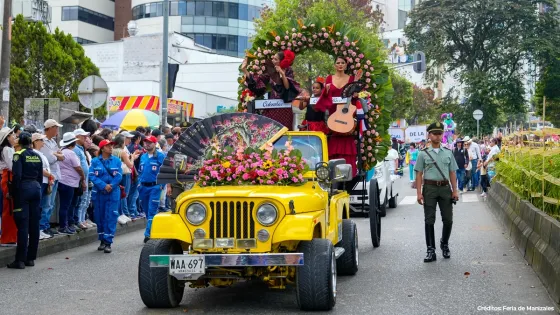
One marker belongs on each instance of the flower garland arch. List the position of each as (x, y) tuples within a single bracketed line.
[(338, 39)]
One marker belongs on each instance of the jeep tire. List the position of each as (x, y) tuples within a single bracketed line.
[(347, 263), (374, 217), (383, 206), (157, 288), (316, 279)]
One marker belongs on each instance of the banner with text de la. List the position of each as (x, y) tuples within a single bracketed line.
[(415, 133)]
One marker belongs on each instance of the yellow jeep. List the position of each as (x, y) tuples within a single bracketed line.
[(282, 235)]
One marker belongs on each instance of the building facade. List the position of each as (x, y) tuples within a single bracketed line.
[(222, 25), (86, 20)]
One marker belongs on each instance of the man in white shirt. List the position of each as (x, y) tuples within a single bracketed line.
[(491, 158), (476, 156), (52, 152)]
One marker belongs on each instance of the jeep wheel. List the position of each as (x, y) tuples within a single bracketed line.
[(316, 279), (374, 217), (157, 288), (347, 264), (383, 206), (393, 200)]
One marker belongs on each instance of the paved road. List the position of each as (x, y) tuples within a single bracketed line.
[(392, 278)]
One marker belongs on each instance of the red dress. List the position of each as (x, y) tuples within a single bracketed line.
[(340, 146)]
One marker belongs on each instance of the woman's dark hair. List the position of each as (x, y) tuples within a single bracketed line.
[(17, 127), (141, 129), (119, 141), (340, 57), (148, 131), (280, 55), (413, 145), (89, 126), (5, 143), (320, 84), (96, 139), (106, 133)]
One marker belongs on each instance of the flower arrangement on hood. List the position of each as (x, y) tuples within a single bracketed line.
[(249, 166)]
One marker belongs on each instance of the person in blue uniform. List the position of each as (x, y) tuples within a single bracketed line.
[(27, 178), (106, 174), (150, 191)]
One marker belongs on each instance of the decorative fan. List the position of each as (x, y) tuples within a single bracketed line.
[(353, 87), (195, 144)]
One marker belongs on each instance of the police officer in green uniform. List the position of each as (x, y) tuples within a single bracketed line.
[(436, 187), (28, 176)]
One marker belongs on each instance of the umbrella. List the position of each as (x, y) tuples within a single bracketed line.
[(130, 119)]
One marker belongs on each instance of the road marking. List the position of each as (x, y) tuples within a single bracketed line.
[(469, 198), (408, 200)]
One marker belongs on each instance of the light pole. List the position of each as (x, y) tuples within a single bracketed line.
[(6, 60), (165, 63)]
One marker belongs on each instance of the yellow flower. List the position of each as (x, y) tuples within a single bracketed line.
[(226, 164), (267, 164)]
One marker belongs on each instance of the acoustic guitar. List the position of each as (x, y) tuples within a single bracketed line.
[(342, 120)]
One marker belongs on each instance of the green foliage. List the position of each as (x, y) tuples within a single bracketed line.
[(333, 28), (402, 99), (485, 43), (549, 86), (45, 66)]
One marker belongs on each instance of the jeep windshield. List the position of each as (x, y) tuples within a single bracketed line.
[(310, 147)]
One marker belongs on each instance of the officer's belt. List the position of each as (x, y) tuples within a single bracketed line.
[(436, 182), (152, 184)]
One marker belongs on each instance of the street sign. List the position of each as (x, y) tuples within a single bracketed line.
[(93, 92), (477, 114)]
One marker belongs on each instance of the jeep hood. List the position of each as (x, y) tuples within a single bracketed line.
[(307, 197)]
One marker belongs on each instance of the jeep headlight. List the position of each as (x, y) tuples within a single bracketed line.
[(267, 214), (196, 213)]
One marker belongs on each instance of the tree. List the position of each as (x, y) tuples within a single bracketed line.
[(45, 65), (424, 109), (403, 97), (549, 86), (485, 43)]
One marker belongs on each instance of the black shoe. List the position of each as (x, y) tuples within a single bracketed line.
[(445, 250), (30, 263), (16, 265), (430, 243), (102, 246), (107, 249), (444, 241), (146, 239)]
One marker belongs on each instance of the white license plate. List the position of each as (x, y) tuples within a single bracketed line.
[(353, 199), (187, 264)]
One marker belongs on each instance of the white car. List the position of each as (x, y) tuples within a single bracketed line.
[(383, 179)]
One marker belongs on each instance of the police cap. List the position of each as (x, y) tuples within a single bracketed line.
[(25, 139), (435, 127)]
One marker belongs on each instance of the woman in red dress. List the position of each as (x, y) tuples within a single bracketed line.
[(340, 146), (284, 87)]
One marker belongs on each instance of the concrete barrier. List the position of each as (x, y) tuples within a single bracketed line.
[(535, 234), (64, 242)]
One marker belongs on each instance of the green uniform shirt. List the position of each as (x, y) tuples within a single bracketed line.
[(445, 160)]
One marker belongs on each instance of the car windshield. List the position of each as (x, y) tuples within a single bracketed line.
[(310, 147)]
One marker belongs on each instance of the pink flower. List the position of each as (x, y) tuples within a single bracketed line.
[(365, 66), (275, 44), (344, 53), (347, 44), (277, 38), (314, 36), (326, 35), (295, 180), (214, 174), (294, 35), (357, 59), (361, 56), (368, 74), (289, 44), (286, 37), (368, 80), (204, 183), (299, 35), (283, 43), (261, 173), (283, 47), (369, 148), (229, 179), (368, 62), (245, 176)]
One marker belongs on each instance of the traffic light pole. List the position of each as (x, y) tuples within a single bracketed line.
[(406, 64), (5, 61)]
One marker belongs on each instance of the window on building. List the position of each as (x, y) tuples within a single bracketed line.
[(243, 11), (182, 8), (219, 9), (88, 16), (233, 10), (83, 41), (174, 8)]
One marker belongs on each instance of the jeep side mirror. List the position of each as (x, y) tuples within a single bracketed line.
[(343, 173), (179, 162)]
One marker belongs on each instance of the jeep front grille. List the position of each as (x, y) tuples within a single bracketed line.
[(232, 219)]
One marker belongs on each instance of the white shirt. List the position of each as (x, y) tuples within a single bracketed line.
[(493, 151), (46, 165), (7, 158), (474, 151), (48, 149)]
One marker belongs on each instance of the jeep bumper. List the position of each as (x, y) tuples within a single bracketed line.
[(233, 260)]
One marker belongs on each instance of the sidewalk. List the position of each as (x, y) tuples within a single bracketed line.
[(65, 242)]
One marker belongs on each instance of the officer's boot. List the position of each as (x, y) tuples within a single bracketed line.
[(16, 265), (430, 243), (102, 246), (444, 242)]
